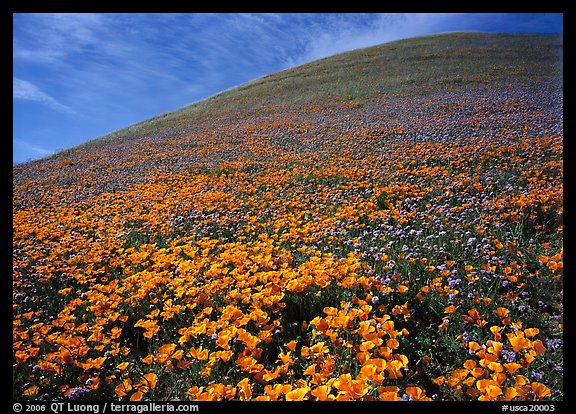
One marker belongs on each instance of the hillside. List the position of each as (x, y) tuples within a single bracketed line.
[(411, 67), (384, 224)]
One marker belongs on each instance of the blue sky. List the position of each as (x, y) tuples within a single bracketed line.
[(77, 77)]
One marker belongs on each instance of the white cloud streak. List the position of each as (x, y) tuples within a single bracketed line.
[(125, 57), (48, 38), (339, 33), (31, 147), (25, 90)]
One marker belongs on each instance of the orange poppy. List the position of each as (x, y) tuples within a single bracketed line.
[(150, 380), (489, 388), (519, 342), (136, 396), (388, 393), (297, 394), (402, 289), (244, 390), (417, 394), (276, 390), (322, 393), (530, 332), (124, 387), (540, 390)]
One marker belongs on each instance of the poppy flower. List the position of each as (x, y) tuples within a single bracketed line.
[(136, 396), (276, 390), (530, 332), (244, 390), (450, 309), (297, 394), (322, 393), (417, 394), (538, 347), (150, 379), (393, 368), (402, 289), (474, 317), (388, 393), (124, 387), (165, 352), (535, 391), (519, 342), (489, 388)]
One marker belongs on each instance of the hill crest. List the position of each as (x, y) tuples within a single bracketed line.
[(416, 66)]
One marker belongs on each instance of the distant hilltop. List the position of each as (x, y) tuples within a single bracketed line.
[(412, 67)]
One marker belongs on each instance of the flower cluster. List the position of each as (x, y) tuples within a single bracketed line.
[(498, 374), (401, 250)]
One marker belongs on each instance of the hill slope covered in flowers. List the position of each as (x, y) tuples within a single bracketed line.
[(403, 244)]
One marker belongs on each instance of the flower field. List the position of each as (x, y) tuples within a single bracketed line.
[(399, 249)]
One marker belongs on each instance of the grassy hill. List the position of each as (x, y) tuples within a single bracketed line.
[(384, 224), (411, 67)]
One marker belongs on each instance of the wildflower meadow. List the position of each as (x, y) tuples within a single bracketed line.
[(343, 249)]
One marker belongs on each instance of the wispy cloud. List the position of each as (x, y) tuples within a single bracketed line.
[(25, 90), (326, 35), (30, 147), (49, 37), (110, 60)]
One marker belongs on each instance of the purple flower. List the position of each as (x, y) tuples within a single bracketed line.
[(77, 392), (454, 282), (558, 368), (554, 343), (507, 356), (537, 375)]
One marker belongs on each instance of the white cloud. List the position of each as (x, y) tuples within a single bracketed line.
[(344, 32), (28, 146), (25, 90), (49, 37)]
